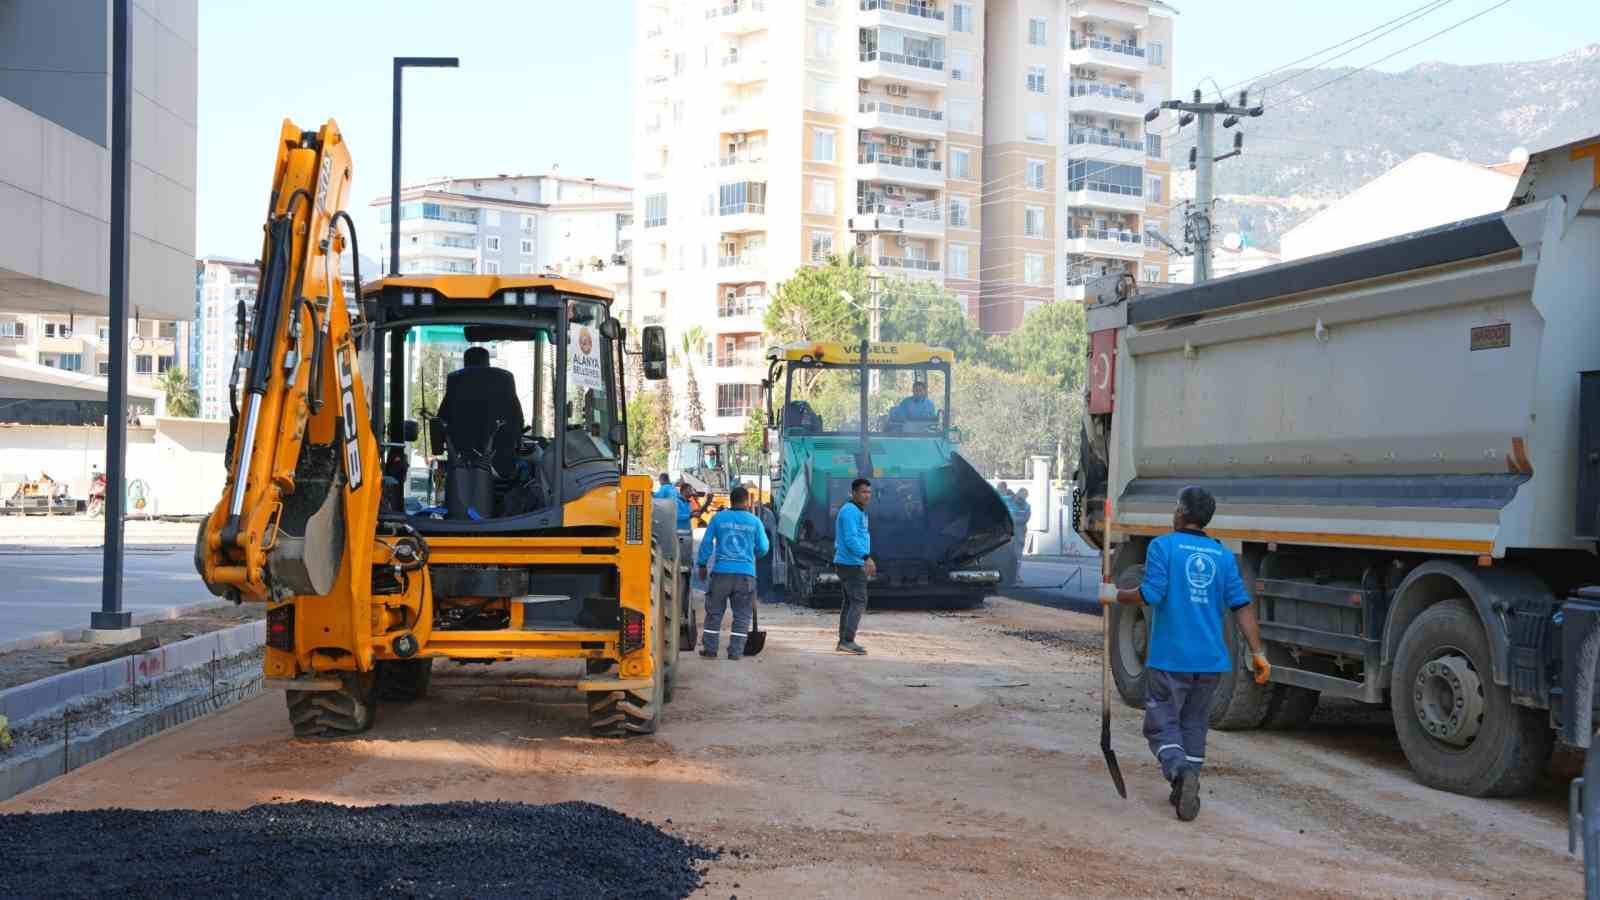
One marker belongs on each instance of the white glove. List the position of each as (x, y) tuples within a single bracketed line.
[(1108, 594)]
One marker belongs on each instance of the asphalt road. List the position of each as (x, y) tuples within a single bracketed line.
[(51, 588), (1062, 582)]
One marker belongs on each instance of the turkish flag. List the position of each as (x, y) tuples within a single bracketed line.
[(1102, 371)]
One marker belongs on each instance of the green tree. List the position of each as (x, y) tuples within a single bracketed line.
[(662, 422), (754, 425), (182, 401), (1051, 343), (1005, 417), (694, 341), (645, 436), (808, 305), (924, 312)]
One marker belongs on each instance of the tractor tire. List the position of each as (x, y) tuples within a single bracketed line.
[(1239, 703), (1130, 641), (1291, 707), (689, 632), (627, 713), (349, 710), (404, 680), (1459, 730)]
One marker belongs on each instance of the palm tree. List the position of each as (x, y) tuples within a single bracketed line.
[(694, 340), (182, 401)]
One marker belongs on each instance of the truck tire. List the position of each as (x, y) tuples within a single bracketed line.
[(349, 710), (1239, 703), (1130, 641), (404, 680), (627, 713), (1290, 708), (1459, 730)]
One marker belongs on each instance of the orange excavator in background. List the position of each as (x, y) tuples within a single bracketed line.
[(542, 549)]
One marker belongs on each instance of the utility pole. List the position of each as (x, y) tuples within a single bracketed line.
[(1202, 159)]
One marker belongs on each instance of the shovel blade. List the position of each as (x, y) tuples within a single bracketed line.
[(1111, 757), (755, 642)]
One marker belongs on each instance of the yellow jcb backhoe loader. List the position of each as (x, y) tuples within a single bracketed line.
[(542, 547)]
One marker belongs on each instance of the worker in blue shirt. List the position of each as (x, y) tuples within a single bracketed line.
[(852, 560), (665, 491), (686, 510), (738, 538), (1189, 581), (916, 407)]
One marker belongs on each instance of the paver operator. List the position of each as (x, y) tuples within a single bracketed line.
[(738, 538), (1189, 580), (916, 407), (852, 560)]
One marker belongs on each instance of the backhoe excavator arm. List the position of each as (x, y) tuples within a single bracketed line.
[(302, 484)]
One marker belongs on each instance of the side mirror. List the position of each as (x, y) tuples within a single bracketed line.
[(404, 432), (610, 329), (653, 342)]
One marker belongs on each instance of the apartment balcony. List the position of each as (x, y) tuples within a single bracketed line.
[(744, 359), (926, 220), (881, 65), (73, 344), (1106, 99), (1104, 146), (741, 167), (736, 17), (742, 314), (921, 17), (875, 165), (446, 247), (742, 68), (422, 226), (742, 269), (750, 115), (1118, 243), (1103, 195), (1098, 51), (910, 267), (1127, 14), (878, 115), (742, 218)]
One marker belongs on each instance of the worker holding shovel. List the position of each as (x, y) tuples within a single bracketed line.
[(1189, 580), (738, 538)]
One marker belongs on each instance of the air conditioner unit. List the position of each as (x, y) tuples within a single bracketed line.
[(896, 140), (863, 85), (1088, 27), (900, 241), (890, 190)]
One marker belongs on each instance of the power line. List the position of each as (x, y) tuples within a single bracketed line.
[(1295, 62)]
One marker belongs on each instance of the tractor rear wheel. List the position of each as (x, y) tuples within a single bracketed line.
[(348, 710), (627, 713)]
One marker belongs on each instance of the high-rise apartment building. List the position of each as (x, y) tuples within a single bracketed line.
[(220, 285), (995, 147), (1073, 175), (771, 140)]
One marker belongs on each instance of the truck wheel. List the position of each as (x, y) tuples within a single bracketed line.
[(404, 680), (1130, 641), (1291, 707), (627, 713), (349, 710), (1460, 731), (1239, 703), (689, 632)]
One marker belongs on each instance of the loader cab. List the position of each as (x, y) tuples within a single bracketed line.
[(508, 390)]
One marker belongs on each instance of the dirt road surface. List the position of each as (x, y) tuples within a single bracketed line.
[(960, 759)]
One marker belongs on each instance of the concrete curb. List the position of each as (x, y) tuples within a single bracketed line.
[(46, 695), (51, 638)]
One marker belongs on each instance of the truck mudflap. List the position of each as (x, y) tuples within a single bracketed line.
[(1579, 622)]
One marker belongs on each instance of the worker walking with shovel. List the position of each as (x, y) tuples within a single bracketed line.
[(738, 538), (1189, 581)]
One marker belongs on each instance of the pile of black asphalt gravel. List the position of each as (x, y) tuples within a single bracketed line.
[(566, 850)]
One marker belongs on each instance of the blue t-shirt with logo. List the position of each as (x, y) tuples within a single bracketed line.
[(1190, 581), (738, 538)]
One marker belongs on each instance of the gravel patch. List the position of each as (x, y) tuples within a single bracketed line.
[(1059, 640), (306, 849)]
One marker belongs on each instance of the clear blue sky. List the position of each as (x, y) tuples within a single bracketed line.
[(548, 82)]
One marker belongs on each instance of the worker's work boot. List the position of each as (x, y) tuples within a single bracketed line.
[(708, 654), (851, 647), (1187, 788)]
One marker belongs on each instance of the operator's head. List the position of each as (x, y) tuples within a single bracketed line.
[(919, 389), (685, 491), (739, 497), (475, 357), (1022, 493), (861, 492), (665, 478), (1196, 506)]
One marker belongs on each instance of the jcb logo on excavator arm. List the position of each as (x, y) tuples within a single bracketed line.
[(347, 403)]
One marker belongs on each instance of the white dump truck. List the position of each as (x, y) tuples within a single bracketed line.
[(1404, 442)]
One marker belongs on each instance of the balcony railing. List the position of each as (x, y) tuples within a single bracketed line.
[(1104, 234), (739, 360), (739, 209), (733, 9), (742, 306), (1106, 187), (907, 262), (923, 10), (920, 62), (910, 112), (1097, 43), (655, 223), (740, 159), (871, 155), (1113, 91), (1102, 138), (743, 259), (927, 212)]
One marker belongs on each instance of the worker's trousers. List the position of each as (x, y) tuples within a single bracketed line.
[(726, 588), (853, 582), (1177, 713)]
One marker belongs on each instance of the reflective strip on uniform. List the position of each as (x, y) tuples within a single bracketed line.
[(737, 634), (1195, 759), (1165, 747)]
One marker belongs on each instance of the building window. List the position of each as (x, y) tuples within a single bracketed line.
[(1033, 221), (655, 210), (822, 145), (102, 368), (961, 17), (960, 259), (163, 363), (492, 244), (142, 365), (491, 267), (960, 163), (1084, 174), (962, 66), (1033, 268), (822, 195), (1038, 34), (1036, 79), (1153, 189), (741, 197), (960, 212), (1157, 53), (491, 217), (737, 399), (821, 94), (1152, 274), (822, 41), (527, 247), (821, 246), (1036, 174), (12, 330), (527, 224), (1152, 146), (1038, 126), (964, 116)]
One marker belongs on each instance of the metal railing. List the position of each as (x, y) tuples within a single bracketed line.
[(733, 9), (893, 109), (743, 259), (655, 223), (739, 360), (1097, 89), (870, 155), (1098, 43), (918, 62), (1104, 234), (907, 262), (922, 10), (927, 213), (741, 159), (742, 306), (1103, 138), (1106, 187), (736, 209)]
